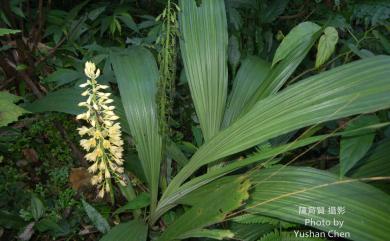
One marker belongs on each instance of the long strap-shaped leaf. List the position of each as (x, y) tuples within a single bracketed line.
[(137, 74), (359, 87), (204, 51), (280, 191), (288, 57), (251, 74)]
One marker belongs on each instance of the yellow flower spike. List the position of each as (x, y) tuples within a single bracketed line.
[(107, 174), (83, 130), (93, 168), (94, 180), (101, 193), (102, 166), (105, 134), (108, 188), (106, 144)]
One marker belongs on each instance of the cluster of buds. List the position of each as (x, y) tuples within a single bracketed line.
[(103, 142)]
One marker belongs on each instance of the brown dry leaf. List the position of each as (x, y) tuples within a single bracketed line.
[(80, 178), (30, 155)]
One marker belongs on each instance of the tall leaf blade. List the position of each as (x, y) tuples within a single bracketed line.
[(359, 87), (288, 56), (252, 72), (280, 191), (204, 50), (137, 75), (209, 205)]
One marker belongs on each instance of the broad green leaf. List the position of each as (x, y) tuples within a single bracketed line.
[(280, 191), (9, 112), (37, 208), (204, 42), (288, 236), (66, 100), (218, 234), (137, 74), (141, 201), (6, 31), (252, 72), (353, 148), (301, 33), (358, 87), (291, 53), (97, 219), (326, 45), (209, 205), (129, 231), (63, 76), (262, 158)]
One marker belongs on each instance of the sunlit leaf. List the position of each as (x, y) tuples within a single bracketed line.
[(137, 74), (359, 87), (204, 43), (326, 45), (252, 72), (209, 204), (9, 111), (280, 191)]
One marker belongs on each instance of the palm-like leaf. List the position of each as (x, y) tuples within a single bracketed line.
[(359, 87), (137, 75), (288, 56), (204, 51), (252, 72), (279, 192)]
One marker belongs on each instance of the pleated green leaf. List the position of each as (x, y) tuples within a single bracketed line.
[(204, 41), (288, 56), (376, 163), (301, 33), (326, 45), (280, 191), (137, 74), (209, 205), (260, 158), (359, 87), (66, 101), (252, 72)]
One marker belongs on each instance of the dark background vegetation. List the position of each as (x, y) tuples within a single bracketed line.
[(39, 154)]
